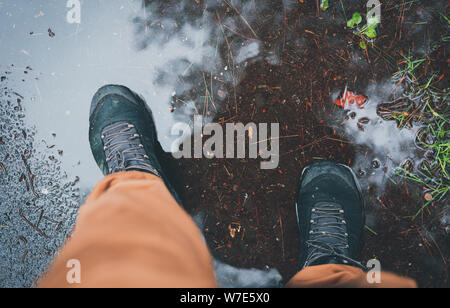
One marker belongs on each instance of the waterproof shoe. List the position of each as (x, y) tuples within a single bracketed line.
[(122, 133), (330, 214)]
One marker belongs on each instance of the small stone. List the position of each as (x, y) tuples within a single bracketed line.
[(376, 164)]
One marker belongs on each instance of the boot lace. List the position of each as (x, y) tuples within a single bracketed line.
[(124, 150), (328, 237)]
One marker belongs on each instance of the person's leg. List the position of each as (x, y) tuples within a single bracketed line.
[(131, 232), (330, 213), (344, 276)]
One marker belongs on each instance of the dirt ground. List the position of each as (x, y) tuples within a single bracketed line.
[(249, 217)]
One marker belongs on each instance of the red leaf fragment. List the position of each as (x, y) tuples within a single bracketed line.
[(350, 98)]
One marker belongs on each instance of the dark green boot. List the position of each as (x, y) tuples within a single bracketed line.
[(122, 133), (330, 214)]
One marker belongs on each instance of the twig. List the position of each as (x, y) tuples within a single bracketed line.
[(241, 35), (30, 175), (242, 17), (282, 234), (32, 225)]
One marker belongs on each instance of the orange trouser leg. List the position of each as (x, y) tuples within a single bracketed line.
[(132, 233), (344, 276)]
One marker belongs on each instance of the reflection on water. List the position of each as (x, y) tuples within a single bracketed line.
[(388, 146), (211, 43)]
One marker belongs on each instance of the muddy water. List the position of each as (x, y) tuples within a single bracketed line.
[(230, 61)]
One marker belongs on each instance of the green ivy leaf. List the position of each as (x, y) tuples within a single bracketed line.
[(324, 5), (371, 32), (362, 44), (356, 20)]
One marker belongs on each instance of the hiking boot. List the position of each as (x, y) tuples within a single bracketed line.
[(122, 134), (330, 215)]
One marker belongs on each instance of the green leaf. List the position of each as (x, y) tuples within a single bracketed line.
[(362, 44), (445, 17), (371, 33), (324, 5), (356, 20)]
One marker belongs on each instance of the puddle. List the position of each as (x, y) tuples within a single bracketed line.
[(39, 200), (388, 146)]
